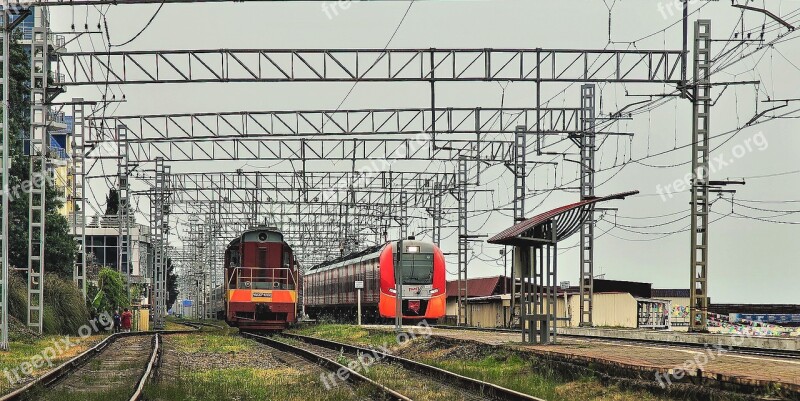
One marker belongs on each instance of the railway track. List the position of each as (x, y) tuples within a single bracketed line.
[(738, 350), (456, 386), (381, 392), (120, 364)]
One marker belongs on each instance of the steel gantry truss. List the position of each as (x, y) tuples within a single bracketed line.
[(301, 149), (701, 114), (364, 65), (276, 187), (410, 121), (306, 225), (335, 135)]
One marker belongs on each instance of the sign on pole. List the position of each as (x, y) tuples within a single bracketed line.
[(359, 287)]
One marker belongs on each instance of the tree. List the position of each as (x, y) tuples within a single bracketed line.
[(110, 293), (172, 284), (112, 202), (60, 247)]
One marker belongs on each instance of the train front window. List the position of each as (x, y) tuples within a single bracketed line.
[(417, 268)]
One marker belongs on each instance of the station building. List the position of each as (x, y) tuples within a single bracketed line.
[(622, 304)]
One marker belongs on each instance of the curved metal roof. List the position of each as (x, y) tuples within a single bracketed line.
[(569, 219)]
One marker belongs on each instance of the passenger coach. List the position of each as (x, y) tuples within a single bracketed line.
[(329, 288)]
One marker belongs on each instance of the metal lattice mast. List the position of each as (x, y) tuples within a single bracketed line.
[(462, 241), (159, 210), (5, 176), (587, 149), (123, 211), (700, 154), (38, 146), (519, 171), (436, 214), (403, 214), (214, 252), (78, 200), (208, 261)]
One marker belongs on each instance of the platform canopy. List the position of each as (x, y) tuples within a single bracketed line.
[(568, 219)]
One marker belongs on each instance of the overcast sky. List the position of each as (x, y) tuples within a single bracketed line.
[(646, 240)]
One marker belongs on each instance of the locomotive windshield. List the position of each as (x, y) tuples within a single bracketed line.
[(417, 268)]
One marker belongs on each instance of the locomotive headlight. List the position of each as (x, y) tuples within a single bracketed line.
[(412, 249), (434, 291), (393, 291)]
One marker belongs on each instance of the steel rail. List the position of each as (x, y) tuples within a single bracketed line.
[(353, 376), (751, 351), (68, 367), (148, 371), (485, 389)]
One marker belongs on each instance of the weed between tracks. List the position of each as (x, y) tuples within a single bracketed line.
[(223, 366)]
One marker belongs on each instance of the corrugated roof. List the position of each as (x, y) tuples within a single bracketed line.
[(570, 219), (479, 287), (670, 292)]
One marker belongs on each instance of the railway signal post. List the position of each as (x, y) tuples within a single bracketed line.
[(359, 287)]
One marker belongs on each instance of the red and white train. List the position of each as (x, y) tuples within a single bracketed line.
[(329, 288)]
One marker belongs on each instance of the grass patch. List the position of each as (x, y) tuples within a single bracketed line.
[(249, 384), (22, 351)]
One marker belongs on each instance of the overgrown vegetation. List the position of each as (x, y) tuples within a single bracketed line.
[(64, 308)]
